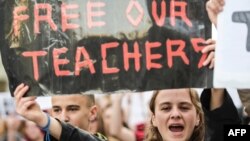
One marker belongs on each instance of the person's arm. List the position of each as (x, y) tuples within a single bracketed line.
[(218, 104), (116, 128), (219, 110), (29, 109), (217, 98), (214, 99), (214, 7)]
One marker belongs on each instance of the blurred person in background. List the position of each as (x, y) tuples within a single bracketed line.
[(106, 108), (118, 124), (30, 131), (244, 95), (108, 121), (2, 127), (119, 127), (10, 127), (104, 103)]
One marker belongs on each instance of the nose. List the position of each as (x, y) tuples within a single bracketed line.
[(175, 113), (64, 116)]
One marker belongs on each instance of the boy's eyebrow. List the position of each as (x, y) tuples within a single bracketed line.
[(56, 107), (73, 106)]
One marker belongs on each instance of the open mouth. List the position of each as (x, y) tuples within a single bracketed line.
[(176, 128)]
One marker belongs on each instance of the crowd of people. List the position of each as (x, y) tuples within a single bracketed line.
[(169, 115)]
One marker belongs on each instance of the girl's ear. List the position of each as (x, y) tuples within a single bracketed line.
[(197, 120), (153, 120)]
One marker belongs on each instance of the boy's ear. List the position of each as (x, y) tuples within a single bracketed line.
[(93, 113)]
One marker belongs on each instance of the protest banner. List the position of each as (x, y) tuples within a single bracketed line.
[(232, 65), (72, 46)]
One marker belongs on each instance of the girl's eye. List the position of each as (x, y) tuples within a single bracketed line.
[(184, 108), (165, 108)]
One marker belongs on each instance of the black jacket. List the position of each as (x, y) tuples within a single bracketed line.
[(70, 133), (216, 119)]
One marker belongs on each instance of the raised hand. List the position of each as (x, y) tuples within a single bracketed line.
[(210, 48), (27, 106), (214, 7)]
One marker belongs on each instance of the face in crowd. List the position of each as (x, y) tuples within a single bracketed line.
[(31, 131), (177, 115), (78, 110)]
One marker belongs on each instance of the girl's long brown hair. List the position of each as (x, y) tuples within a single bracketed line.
[(153, 134)]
